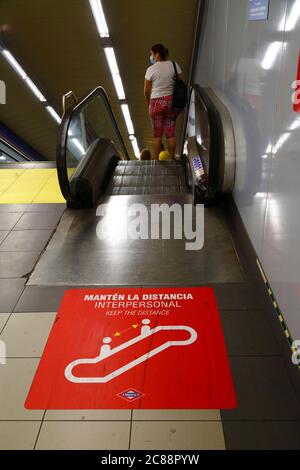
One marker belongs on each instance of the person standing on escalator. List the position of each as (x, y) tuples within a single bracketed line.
[(158, 91)]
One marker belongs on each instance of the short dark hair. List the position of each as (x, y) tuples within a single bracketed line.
[(161, 50), (145, 154)]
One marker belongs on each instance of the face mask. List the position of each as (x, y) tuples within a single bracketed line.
[(152, 60)]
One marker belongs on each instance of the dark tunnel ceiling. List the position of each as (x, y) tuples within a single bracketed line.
[(57, 43)]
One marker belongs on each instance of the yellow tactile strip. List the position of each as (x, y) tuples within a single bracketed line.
[(29, 186)]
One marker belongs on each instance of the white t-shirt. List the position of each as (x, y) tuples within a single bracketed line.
[(162, 76)]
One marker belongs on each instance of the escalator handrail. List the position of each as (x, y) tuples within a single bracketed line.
[(214, 127), (17, 150), (61, 162)]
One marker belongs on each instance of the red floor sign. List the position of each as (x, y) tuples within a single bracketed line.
[(135, 348)]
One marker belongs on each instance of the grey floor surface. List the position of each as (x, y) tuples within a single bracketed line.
[(268, 412), (76, 256)]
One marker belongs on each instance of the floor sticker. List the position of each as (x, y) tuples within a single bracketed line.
[(135, 349)]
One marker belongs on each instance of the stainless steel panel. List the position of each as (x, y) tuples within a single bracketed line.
[(281, 254), (260, 65), (75, 256)]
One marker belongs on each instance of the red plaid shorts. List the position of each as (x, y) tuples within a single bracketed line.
[(162, 116)]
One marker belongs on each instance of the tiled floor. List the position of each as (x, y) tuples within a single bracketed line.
[(169, 435), (3, 319), (25, 335), (99, 435), (31, 184), (268, 413), (24, 232)]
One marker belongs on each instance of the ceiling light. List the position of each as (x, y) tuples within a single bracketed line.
[(127, 117), (15, 65), (99, 17), (112, 61), (260, 195), (269, 148), (293, 17), (295, 124), (22, 74), (282, 139), (271, 55), (135, 147), (114, 70), (53, 114), (35, 89), (79, 146), (119, 87)]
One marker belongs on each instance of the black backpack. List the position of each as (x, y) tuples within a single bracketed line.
[(180, 93)]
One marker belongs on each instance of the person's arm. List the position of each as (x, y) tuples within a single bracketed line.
[(179, 72), (147, 90)]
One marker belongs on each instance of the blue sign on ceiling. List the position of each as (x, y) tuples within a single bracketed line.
[(258, 10)]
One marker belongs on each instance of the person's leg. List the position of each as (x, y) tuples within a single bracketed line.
[(156, 147), (157, 125), (170, 128), (172, 147)]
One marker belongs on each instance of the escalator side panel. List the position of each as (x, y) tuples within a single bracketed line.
[(88, 184)]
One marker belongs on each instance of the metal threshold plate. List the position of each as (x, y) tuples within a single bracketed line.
[(75, 255)]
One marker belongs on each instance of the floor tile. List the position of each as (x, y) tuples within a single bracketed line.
[(18, 435), (38, 221), (237, 296), (26, 240), (13, 208), (8, 220), (248, 333), (263, 390), (25, 334), (84, 436), (170, 435), (40, 299), (278, 435), (88, 415), (15, 380), (52, 207), (17, 264), (3, 235), (176, 415), (10, 291), (3, 320)]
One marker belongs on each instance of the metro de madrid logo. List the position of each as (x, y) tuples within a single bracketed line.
[(2, 92)]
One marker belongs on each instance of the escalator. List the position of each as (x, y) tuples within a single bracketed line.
[(107, 189), (93, 162), (9, 153)]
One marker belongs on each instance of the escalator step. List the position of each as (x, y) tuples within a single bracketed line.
[(149, 177)]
